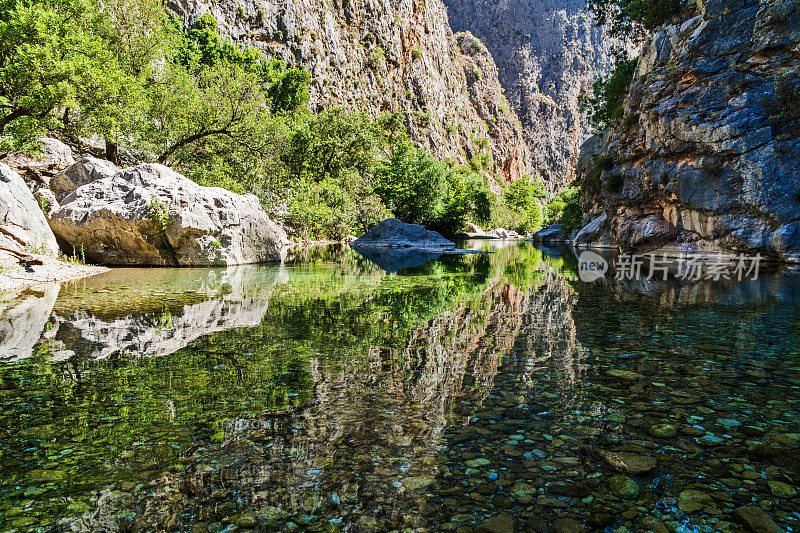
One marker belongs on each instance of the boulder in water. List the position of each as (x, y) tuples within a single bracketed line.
[(394, 234)]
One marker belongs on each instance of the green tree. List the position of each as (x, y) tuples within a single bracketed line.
[(633, 19), (51, 52), (609, 94)]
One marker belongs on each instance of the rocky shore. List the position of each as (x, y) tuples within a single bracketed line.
[(57, 213)]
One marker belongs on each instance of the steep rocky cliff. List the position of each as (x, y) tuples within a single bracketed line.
[(705, 157), (383, 55), (547, 52)]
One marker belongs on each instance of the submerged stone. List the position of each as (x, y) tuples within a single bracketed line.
[(781, 489), (629, 463), (663, 431), (623, 486), (625, 375)]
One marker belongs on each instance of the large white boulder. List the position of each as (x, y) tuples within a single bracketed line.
[(87, 170), (23, 226), (54, 153), (151, 215)]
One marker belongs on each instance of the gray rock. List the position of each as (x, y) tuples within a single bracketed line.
[(23, 226), (54, 153), (502, 233), (475, 229), (151, 215), (554, 233), (87, 170), (394, 234), (592, 232)]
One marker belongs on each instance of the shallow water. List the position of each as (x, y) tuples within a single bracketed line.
[(326, 394)]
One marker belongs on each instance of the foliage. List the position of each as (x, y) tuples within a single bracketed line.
[(50, 53), (158, 213), (613, 182), (420, 189), (633, 18), (609, 94), (521, 208), (565, 208), (334, 207)]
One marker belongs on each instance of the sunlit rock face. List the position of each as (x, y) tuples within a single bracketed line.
[(704, 159), (151, 215), (23, 226), (547, 53), (384, 55)]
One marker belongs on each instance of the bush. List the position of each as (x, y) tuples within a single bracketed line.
[(605, 162), (633, 19), (609, 94), (333, 208), (565, 209), (613, 183)]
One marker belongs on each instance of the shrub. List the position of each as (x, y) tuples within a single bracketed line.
[(633, 19), (609, 94), (631, 120), (613, 183), (565, 209), (377, 57), (605, 162)]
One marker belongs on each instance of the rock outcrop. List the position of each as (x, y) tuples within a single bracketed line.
[(87, 170), (383, 55), (553, 233), (23, 226), (53, 152), (151, 215), (394, 234), (547, 52), (705, 157)]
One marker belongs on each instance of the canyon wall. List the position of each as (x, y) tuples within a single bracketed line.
[(384, 55), (705, 157), (547, 54)]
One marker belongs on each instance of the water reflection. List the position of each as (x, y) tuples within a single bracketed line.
[(327, 395)]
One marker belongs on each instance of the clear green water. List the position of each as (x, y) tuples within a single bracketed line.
[(327, 395)]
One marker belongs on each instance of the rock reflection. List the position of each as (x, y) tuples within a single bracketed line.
[(23, 319), (146, 312)]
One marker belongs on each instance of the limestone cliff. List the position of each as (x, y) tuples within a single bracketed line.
[(547, 52), (705, 157), (383, 55)]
